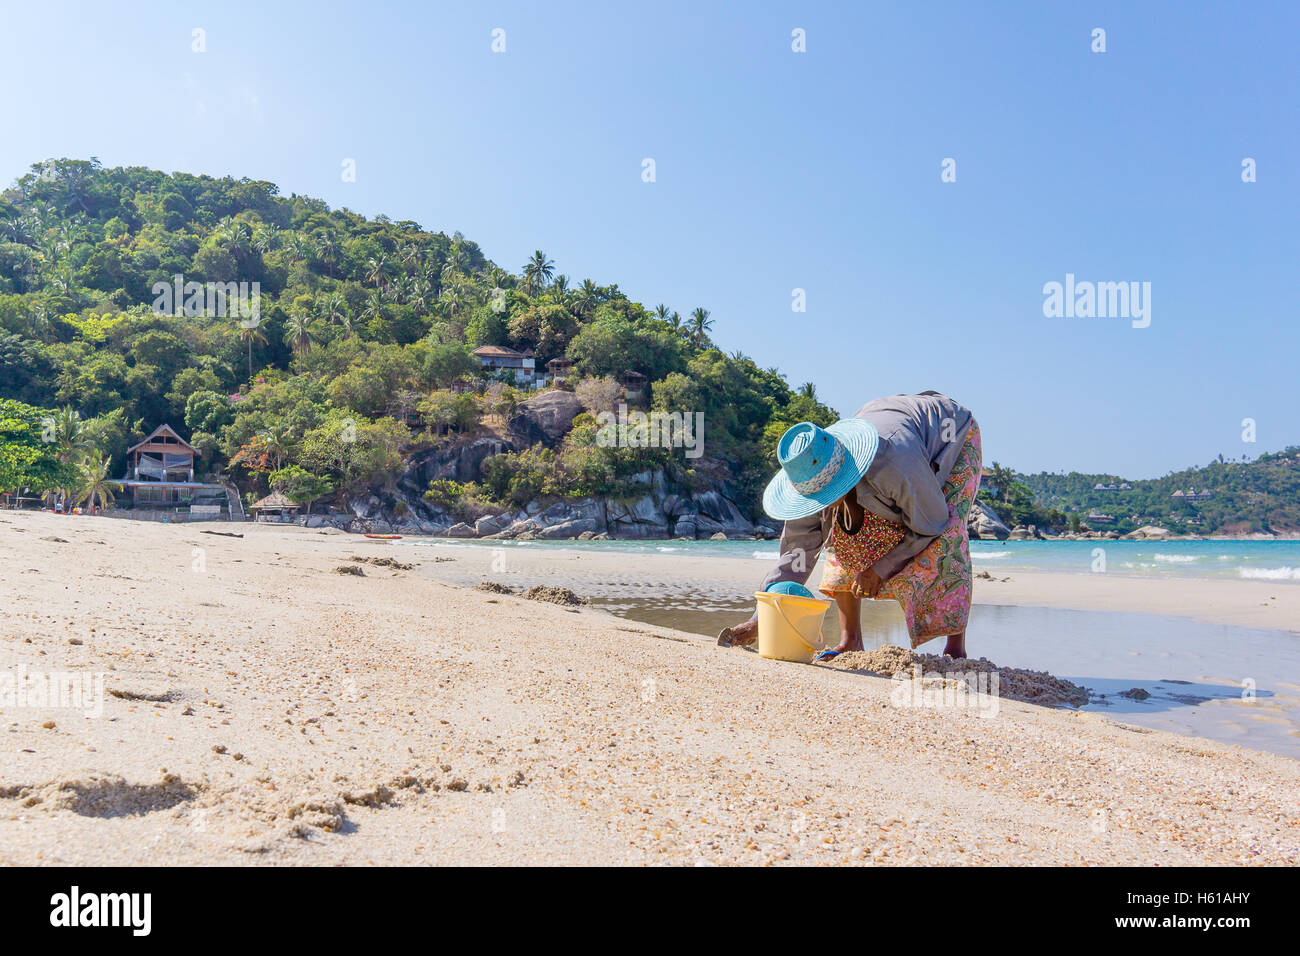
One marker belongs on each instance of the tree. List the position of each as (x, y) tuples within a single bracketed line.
[(598, 394), (538, 271), (251, 334), (700, 325), (28, 459), (299, 332), (299, 485), (96, 486), (1001, 478)]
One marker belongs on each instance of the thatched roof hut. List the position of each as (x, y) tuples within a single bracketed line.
[(275, 504)]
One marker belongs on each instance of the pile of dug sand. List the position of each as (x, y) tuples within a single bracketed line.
[(1014, 683), (384, 563), (538, 592), (564, 596)]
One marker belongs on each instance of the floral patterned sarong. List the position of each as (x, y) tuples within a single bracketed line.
[(934, 588)]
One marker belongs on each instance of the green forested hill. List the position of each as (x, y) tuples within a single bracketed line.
[(1243, 496), (364, 321)]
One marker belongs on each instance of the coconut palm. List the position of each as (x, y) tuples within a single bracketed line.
[(662, 312), (375, 271), (538, 271), (67, 431), (264, 238), (96, 486), (328, 248), (332, 309), (808, 390), (374, 307), (250, 334), (587, 297), (700, 325), (1001, 478), (299, 332)]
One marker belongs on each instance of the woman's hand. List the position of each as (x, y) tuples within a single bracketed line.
[(739, 635), (866, 584)]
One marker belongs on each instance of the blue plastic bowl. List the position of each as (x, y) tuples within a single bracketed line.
[(788, 587)]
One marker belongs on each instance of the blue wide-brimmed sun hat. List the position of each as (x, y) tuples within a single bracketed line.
[(819, 466)]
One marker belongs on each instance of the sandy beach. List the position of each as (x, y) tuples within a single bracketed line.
[(260, 706)]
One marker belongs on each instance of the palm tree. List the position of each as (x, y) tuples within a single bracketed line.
[(585, 299), (662, 312), (264, 238), (374, 307), (298, 248), (298, 332), (700, 325), (96, 485), (276, 441), (538, 271), (808, 390), (1001, 478), (251, 334), (421, 294), (375, 270), (67, 430), (333, 310), (328, 248)]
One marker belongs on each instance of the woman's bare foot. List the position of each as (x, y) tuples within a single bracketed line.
[(956, 645), (849, 642)]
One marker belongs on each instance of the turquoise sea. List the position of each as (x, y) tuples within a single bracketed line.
[(1243, 560)]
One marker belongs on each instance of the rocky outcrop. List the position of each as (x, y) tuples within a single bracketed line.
[(544, 419), (1148, 532), (450, 461), (984, 524)]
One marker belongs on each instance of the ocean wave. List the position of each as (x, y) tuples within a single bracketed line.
[(1176, 558), (767, 555), (1270, 574), (990, 555)]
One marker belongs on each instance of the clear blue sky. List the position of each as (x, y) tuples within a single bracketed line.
[(778, 170)]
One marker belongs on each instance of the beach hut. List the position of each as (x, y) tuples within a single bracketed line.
[(633, 385), (560, 368), (275, 507)]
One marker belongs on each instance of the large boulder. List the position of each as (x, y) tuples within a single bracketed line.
[(1148, 532), (453, 460), (715, 512), (984, 524), (544, 419), (637, 519), (492, 524), (461, 530)]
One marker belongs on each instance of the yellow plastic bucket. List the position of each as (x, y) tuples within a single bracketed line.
[(790, 626)]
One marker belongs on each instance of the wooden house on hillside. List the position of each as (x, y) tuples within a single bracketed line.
[(160, 475)]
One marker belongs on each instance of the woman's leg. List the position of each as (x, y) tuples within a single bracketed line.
[(956, 645), (850, 609)]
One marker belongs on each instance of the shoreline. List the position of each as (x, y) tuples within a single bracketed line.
[(1267, 605), (309, 717)]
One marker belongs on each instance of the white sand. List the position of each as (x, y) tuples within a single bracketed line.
[(349, 699)]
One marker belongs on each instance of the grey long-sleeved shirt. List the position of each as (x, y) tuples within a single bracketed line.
[(921, 437)]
